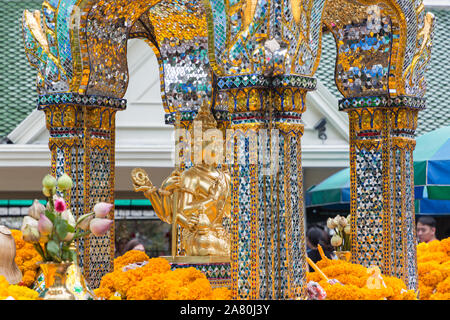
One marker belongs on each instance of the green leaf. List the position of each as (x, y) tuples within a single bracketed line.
[(65, 255), (70, 229), (68, 254), (38, 248), (61, 228), (51, 215), (73, 256), (53, 249)]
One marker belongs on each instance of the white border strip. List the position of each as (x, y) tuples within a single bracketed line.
[(38, 155), (445, 4)]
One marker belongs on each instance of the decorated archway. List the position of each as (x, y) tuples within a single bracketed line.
[(253, 63)]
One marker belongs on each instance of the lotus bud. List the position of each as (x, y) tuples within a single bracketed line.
[(84, 221), (45, 226), (100, 227), (347, 229), (30, 234), (342, 222), (331, 223), (65, 182), (60, 205), (102, 209), (68, 216), (30, 229), (27, 220), (46, 192), (336, 240), (336, 221), (36, 209), (69, 237), (49, 182)]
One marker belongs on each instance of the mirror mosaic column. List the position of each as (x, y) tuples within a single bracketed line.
[(263, 54), (380, 69)]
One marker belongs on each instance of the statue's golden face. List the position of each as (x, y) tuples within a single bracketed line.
[(212, 151)]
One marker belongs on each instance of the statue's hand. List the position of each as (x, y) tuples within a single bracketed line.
[(192, 222), (173, 182), (140, 178), (145, 189)]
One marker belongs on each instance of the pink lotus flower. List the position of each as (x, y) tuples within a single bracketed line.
[(60, 205), (45, 226), (102, 209), (99, 227)]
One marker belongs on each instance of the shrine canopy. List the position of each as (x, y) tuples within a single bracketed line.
[(432, 165), (333, 192)]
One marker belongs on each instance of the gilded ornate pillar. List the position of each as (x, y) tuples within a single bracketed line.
[(242, 149), (263, 54), (379, 73), (81, 126), (287, 198), (381, 170), (82, 145)]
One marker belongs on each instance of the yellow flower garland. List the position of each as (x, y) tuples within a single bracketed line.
[(27, 259), (15, 291), (433, 264), (354, 279), (155, 281)]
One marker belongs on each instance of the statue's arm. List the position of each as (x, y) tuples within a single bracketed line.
[(160, 199), (160, 203)]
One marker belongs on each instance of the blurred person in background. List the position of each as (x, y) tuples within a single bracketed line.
[(426, 229), (315, 236), (133, 244)]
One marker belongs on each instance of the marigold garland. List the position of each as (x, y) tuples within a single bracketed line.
[(155, 281), (132, 256), (27, 259), (15, 291), (433, 265), (353, 280)]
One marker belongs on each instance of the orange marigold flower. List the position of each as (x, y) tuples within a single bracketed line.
[(158, 265), (354, 283), (445, 246), (132, 256), (440, 296), (434, 269), (444, 286), (200, 289), (222, 293), (22, 293), (27, 258), (152, 287), (103, 293), (16, 291), (432, 278), (155, 281)]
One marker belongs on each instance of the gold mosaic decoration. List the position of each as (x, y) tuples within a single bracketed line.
[(252, 61)]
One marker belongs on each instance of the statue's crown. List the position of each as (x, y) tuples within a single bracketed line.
[(206, 117)]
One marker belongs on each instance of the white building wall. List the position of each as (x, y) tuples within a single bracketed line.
[(144, 140)]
